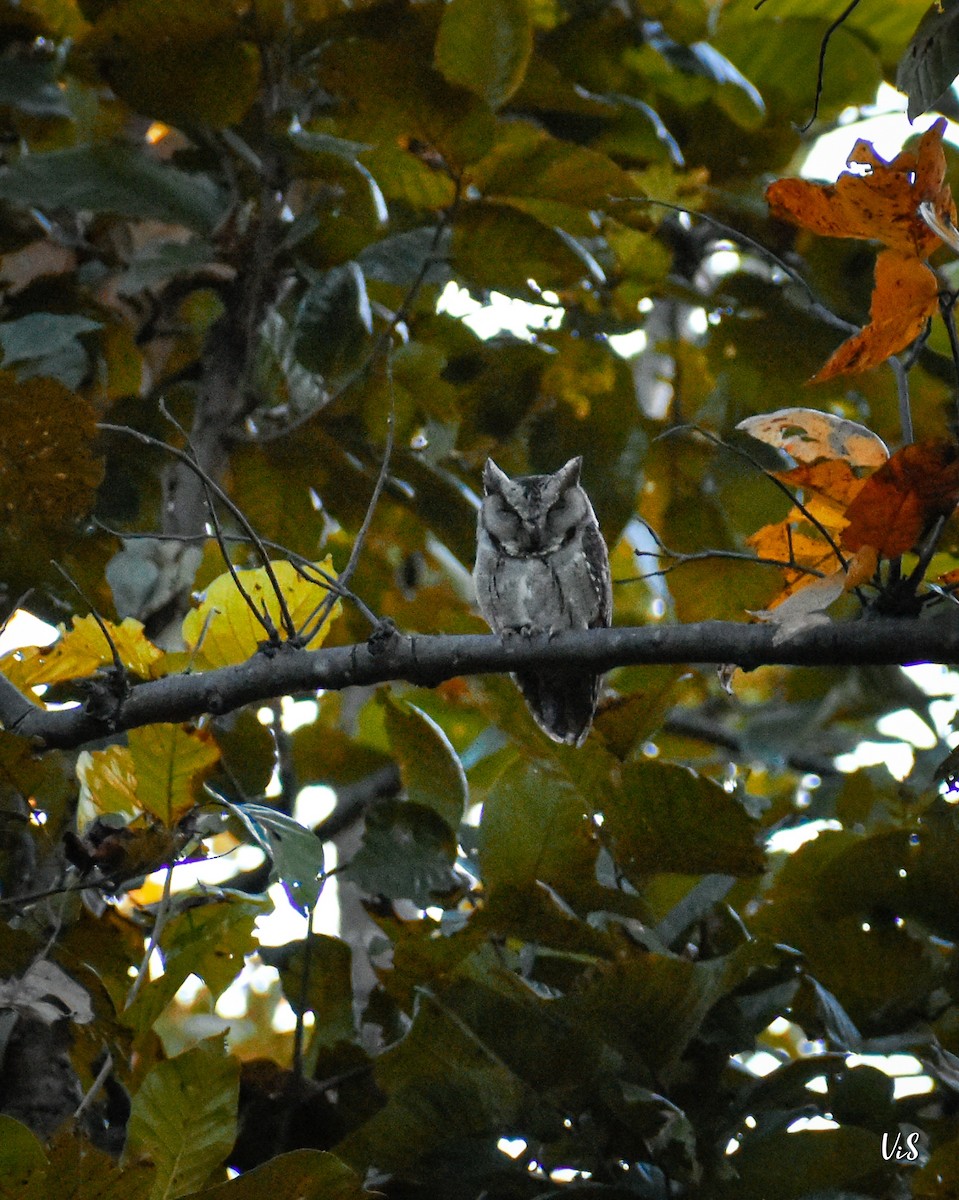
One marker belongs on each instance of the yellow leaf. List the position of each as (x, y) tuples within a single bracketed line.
[(108, 784), (170, 762), (159, 772), (84, 649), (225, 631)]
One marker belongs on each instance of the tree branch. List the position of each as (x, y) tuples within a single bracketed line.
[(428, 661)]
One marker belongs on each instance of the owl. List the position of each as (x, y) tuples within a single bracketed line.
[(542, 567)]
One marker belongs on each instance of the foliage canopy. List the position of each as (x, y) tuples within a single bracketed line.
[(241, 437)]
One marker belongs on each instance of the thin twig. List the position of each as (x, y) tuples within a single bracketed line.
[(217, 490), (159, 921), (95, 1087), (115, 654), (814, 521), (821, 70), (902, 395), (302, 565), (947, 306), (263, 617), (326, 605), (303, 998), (706, 555)]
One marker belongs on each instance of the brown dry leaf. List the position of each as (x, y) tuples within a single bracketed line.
[(897, 502), (882, 205), (804, 608), (808, 435), (905, 296), (80, 652), (48, 473)]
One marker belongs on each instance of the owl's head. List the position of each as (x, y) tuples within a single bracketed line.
[(533, 514)]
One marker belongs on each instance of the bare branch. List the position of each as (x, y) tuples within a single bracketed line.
[(428, 661)]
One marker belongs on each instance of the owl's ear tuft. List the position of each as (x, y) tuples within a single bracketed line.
[(568, 475), (493, 478)]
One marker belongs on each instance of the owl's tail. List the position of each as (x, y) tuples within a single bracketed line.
[(563, 705)]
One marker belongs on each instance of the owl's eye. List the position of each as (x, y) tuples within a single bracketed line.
[(501, 521), (563, 517)]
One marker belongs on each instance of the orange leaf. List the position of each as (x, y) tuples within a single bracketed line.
[(897, 502), (832, 481), (882, 204), (861, 567), (905, 296), (787, 544)]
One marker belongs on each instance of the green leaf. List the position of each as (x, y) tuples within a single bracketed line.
[(184, 1117), (21, 1156), (781, 59), (818, 1160), (299, 1175), (247, 752), (818, 1010), (180, 62), (113, 179), (394, 97), (442, 1083), (667, 818), (32, 87), (158, 261), (210, 941), (295, 851), (485, 45), (328, 143), (333, 322), (47, 344), (170, 763), (430, 769), (534, 827), (78, 1170), (667, 999), (402, 257), (407, 853), (530, 168), (931, 59), (873, 964), (940, 1175), (496, 246), (328, 989)]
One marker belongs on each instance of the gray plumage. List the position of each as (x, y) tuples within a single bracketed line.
[(542, 567)]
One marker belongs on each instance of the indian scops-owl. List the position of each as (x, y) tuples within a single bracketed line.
[(542, 567)]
